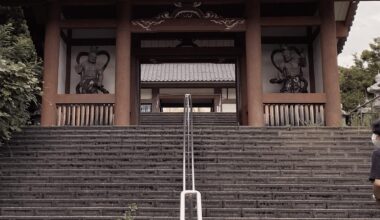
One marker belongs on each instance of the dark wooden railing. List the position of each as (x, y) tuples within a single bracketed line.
[(85, 110), (294, 109)]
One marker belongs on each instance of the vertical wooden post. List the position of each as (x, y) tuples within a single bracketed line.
[(243, 90), (123, 65), (51, 62), (217, 99), (134, 90), (330, 63), (155, 100), (253, 63)]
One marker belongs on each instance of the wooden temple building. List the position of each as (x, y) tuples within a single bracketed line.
[(109, 62)]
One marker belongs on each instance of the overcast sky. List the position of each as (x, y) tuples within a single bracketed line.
[(366, 27)]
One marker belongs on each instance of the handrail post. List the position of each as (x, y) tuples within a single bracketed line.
[(188, 160)]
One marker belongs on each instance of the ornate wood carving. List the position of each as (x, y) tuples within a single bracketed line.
[(147, 24), (188, 11)]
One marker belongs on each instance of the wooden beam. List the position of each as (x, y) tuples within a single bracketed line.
[(285, 1), (184, 25), (68, 61), (341, 29), (204, 25), (187, 84), (285, 40), (85, 99), (190, 25), (88, 2), (93, 42), (157, 59), (170, 2), (205, 51), (196, 35), (291, 21), (297, 98), (88, 23)]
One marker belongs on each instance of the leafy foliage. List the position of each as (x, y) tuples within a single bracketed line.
[(130, 213), (355, 80), (20, 72)]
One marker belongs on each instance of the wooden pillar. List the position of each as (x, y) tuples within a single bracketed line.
[(123, 65), (253, 64), (51, 63), (134, 90), (155, 100), (330, 63), (243, 92), (217, 99)]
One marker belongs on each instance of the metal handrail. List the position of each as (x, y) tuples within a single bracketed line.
[(364, 104), (188, 160), (350, 116)]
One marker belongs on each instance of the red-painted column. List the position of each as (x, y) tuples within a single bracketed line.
[(253, 64), (330, 63), (51, 62), (123, 65)]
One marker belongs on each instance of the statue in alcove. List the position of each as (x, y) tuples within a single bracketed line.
[(289, 61), (91, 72)]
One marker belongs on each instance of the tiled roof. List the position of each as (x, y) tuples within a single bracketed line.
[(188, 72)]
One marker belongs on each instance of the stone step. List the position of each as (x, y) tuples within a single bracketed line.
[(207, 119), (174, 164), (299, 131), (336, 180), (197, 135), (210, 145), (173, 194), (259, 147), (150, 127), (209, 212), (154, 218), (342, 164), (243, 173), (200, 156), (124, 174), (165, 203), (121, 157), (202, 184)]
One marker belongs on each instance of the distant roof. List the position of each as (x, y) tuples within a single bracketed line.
[(188, 72)]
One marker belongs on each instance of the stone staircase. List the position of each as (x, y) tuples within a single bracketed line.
[(199, 118), (243, 173)]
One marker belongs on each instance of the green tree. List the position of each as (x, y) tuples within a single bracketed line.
[(20, 72), (355, 80)]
